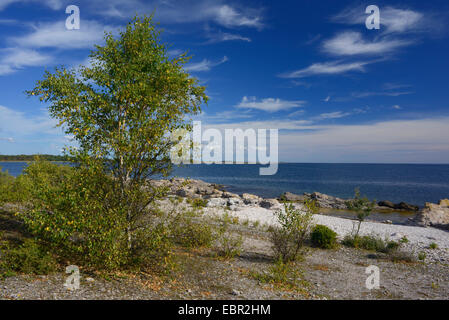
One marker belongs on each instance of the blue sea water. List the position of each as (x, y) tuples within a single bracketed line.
[(412, 183)]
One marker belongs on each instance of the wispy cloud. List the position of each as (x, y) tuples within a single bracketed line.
[(55, 35), (351, 43), (268, 104), (221, 36), (332, 115), (15, 123), (14, 59), (393, 20), (53, 4), (327, 68), (7, 139), (381, 93), (204, 65), (185, 11)]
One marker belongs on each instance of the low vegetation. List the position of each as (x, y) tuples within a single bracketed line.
[(294, 230), (323, 237)]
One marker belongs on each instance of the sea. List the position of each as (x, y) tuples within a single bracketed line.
[(412, 183)]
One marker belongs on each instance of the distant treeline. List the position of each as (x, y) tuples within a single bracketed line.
[(25, 157)]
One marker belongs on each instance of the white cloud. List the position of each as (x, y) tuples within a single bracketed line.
[(7, 139), (13, 59), (204, 65), (15, 123), (393, 20), (225, 36), (327, 68), (268, 104), (52, 4), (184, 11), (397, 107), (381, 93), (55, 35), (351, 43), (230, 17), (332, 115), (399, 141)]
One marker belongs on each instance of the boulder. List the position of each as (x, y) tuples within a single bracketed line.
[(326, 201), (270, 204), (406, 207), (288, 196), (250, 199), (387, 204), (434, 215), (234, 202), (217, 202)]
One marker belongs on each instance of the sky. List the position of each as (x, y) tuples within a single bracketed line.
[(336, 90)]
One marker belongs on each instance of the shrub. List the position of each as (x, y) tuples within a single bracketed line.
[(362, 206), (188, 231), (283, 274), (30, 258), (433, 245), (229, 244), (295, 226), (371, 243), (323, 237), (78, 212), (422, 256), (199, 203)]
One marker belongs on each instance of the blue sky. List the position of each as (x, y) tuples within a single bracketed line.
[(337, 91)]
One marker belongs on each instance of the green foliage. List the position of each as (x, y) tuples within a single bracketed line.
[(323, 237), (189, 231), (229, 243), (6, 182), (199, 203), (77, 211), (433, 245), (422, 256), (30, 258), (362, 206), (371, 243), (283, 274), (404, 239), (294, 228)]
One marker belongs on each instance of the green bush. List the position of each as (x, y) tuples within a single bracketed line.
[(295, 225), (433, 245), (229, 244), (30, 258), (189, 231), (371, 243), (323, 237)]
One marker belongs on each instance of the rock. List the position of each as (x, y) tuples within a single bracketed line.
[(250, 199), (217, 202), (234, 202), (434, 215), (386, 203), (326, 201), (229, 195), (288, 196), (406, 206), (235, 292), (89, 279), (270, 204), (387, 222), (400, 206)]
